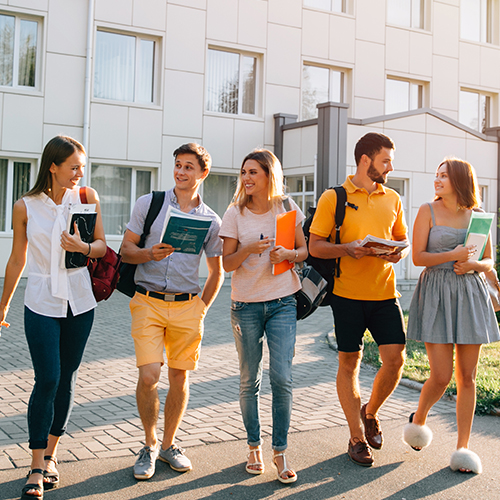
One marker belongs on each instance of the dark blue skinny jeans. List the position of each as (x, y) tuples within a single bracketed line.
[(56, 346)]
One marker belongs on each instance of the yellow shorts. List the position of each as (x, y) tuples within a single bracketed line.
[(177, 326)]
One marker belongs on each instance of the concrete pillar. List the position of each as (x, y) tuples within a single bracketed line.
[(332, 145)]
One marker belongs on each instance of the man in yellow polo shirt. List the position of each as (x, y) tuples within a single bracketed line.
[(364, 295)]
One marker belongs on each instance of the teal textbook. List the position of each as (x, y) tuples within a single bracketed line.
[(185, 232), (478, 232)]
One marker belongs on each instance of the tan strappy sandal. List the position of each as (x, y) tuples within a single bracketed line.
[(256, 463), (286, 470)]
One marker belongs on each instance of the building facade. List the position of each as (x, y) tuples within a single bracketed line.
[(134, 79)]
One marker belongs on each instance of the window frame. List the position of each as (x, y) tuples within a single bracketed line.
[(304, 193), (344, 76), (9, 199), (258, 114), (423, 14), (421, 90), (157, 66), (345, 9), (490, 35), (154, 170), (18, 17), (488, 113)]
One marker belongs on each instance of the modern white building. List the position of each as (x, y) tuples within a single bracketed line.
[(134, 79)]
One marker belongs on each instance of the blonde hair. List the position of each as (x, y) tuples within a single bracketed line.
[(272, 167), (463, 180)]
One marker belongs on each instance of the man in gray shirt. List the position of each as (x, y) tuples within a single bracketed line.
[(167, 312)]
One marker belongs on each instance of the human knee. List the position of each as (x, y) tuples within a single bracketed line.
[(349, 362), (178, 378), (149, 376)]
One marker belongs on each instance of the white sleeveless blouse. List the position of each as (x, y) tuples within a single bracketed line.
[(50, 288)]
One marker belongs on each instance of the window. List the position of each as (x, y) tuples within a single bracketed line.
[(119, 188), (218, 191), (301, 189), (15, 177), (231, 82), (474, 110), (124, 67), (332, 5), (401, 95), (320, 84), (18, 51), (406, 13), (476, 20)]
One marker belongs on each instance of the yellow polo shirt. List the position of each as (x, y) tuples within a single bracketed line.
[(380, 214)]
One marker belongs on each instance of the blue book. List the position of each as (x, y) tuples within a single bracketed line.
[(185, 232)]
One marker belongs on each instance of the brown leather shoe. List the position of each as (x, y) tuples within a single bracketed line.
[(359, 453), (373, 433)]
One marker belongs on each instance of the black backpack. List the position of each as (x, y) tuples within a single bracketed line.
[(126, 282), (328, 268)]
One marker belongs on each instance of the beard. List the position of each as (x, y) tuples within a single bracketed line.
[(375, 175)]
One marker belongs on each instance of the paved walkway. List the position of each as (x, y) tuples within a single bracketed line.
[(105, 422)]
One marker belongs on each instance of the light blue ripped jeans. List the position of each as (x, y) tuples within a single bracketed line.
[(277, 320)]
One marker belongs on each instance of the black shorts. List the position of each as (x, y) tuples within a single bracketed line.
[(383, 318)]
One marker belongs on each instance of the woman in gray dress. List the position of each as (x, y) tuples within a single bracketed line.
[(451, 309)]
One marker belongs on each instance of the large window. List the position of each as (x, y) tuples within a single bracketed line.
[(406, 13), (231, 82), (320, 84), (402, 95), (124, 67), (474, 110), (301, 189), (18, 51), (119, 188), (14, 182), (332, 5), (218, 191), (476, 17)]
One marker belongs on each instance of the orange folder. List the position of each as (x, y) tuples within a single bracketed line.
[(285, 236)]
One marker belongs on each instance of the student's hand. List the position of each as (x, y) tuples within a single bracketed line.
[(259, 246), (356, 251), (73, 242), (160, 251), (464, 266), (394, 257), (462, 253), (3, 315), (279, 254)]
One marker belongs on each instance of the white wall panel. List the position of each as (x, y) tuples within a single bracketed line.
[(410, 150), (287, 12), (197, 4), (490, 67), (183, 110), (482, 155), (342, 39), (445, 30), (22, 123), (222, 20), (292, 148), (420, 53), (445, 83), (252, 23), (279, 100), (309, 145), (315, 31), (435, 126), (50, 131), (144, 135), (469, 64), (149, 14), (397, 50), (64, 89), (218, 138), (248, 135), (108, 131), (283, 66), (29, 4), (370, 20), (185, 39), (369, 78), (67, 27), (440, 147), (114, 11)]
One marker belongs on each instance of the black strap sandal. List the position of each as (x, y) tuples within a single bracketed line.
[(52, 476), (32, 486)]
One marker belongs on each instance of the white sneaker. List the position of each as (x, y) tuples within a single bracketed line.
[(144, 466)]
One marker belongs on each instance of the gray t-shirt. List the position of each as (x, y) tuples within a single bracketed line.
[(177, 273)]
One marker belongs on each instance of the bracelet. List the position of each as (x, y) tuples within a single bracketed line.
[(295, 258), (90, 250)]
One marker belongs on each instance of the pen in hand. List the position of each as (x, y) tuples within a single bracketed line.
[(261, 237)]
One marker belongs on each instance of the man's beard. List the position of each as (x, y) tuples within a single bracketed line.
[(375, 176)]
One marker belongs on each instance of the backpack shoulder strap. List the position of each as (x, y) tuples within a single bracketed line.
[(286, 204), (154, 210), (339, 211), (83, 195)]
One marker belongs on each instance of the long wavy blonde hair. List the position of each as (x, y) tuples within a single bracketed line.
[(272, 167)]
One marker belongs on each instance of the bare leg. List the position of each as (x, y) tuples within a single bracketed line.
[(148, 401), (441, 364), (348, 391), (175, 404), (388, 376), (51, 451), (467, 357)]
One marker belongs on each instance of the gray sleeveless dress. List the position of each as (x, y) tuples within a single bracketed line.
[(447, 308)]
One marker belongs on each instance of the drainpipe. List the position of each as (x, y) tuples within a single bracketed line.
[(88, 77), (495, 132)]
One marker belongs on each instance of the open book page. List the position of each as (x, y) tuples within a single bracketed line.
[(185, 232), (85, 216), (285, 237), (382, 246)]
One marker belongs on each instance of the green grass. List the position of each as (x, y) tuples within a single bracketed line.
[(417, 368)]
